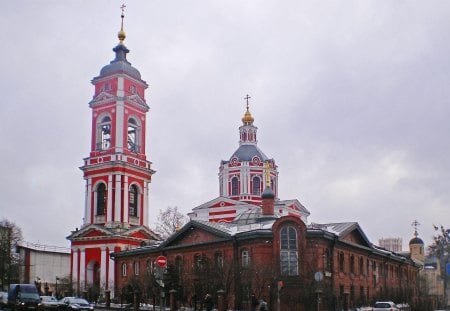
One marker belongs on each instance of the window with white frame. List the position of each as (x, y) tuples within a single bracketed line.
[(288, 251), (133, 201), (256, 186), (124, 269), (234, 186), (245, 258), (136, 268), (103, 141), (101, 199), (133, 133)]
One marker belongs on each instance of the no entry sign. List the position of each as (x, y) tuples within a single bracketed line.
[(161, 261)]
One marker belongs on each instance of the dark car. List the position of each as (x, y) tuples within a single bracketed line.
[(75, 303), (23, 297), (51, 303)]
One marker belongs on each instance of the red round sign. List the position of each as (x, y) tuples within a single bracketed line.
[(161, 261)]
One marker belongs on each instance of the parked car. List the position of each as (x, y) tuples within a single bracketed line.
[(385, 306), (51, 303), (23, 297), (3, 299), (75, 303)]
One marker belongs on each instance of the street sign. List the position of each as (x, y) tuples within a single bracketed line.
[(161, 261), (447, 266)]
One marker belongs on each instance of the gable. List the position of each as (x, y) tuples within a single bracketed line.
[(93, 233), (355, 237), (195, 233), (140, 235)]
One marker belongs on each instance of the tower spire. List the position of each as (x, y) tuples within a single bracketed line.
[(121, 35), (415, 224)]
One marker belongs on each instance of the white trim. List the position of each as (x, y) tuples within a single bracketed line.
[(82, 269), (103, 266), (87, 202), (145, 208), (118, 201), (125, 197)]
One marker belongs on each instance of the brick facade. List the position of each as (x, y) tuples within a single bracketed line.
[(242, 259)]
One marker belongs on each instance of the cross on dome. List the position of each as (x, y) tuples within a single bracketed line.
[(247, 119)]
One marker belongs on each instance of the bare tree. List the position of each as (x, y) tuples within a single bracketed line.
[(10, 236), (169, 221)]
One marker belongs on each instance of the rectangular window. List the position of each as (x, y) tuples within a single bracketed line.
[(136, 268), (124, 269)]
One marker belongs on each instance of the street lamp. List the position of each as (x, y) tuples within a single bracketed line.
[(56, 287)]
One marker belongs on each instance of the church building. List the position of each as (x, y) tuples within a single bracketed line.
[(245, 244), (117, 175)]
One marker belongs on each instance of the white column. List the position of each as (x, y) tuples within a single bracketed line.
[(120, 115), (103, 259), (88, 202), (118, 198), (145, 209), (111, 273), (82, 269), (125, 199), (75, 267)]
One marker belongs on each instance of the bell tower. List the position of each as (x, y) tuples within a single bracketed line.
[(117, 174)]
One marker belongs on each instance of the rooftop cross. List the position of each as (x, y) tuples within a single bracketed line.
[(247, 97), (415, 224)]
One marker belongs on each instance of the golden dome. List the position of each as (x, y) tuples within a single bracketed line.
[(121, 35), (247, 119)]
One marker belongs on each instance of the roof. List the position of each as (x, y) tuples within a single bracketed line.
[(120, 64), (246, 152)]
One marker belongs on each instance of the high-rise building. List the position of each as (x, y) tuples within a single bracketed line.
[(391, 244)]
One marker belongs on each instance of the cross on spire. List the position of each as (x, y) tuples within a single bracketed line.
[(247, 97), (122, 7), (415, 224)]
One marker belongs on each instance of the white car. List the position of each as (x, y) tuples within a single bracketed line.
[(3, 299), (385, 306)]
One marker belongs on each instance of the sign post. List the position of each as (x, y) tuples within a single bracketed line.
[(161, 262)]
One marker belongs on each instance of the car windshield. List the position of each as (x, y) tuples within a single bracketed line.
[(28, 295), (48, 298), (382, 305), (79, 301)]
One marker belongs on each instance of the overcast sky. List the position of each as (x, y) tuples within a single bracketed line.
[(351, 99)]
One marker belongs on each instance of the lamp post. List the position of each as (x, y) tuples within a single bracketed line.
[(56, 287)]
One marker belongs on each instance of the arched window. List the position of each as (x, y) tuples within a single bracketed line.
[(133, 201), (218, 259), (245, 258), (256, 186), (103, 141), (133, 134), (341, 262), (234, 186), (179, 265), (101, 199), (289, 251)]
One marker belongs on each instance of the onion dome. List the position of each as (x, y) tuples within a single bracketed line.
[(416, 240), (247, 119), (120, 65), (268, 193)]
